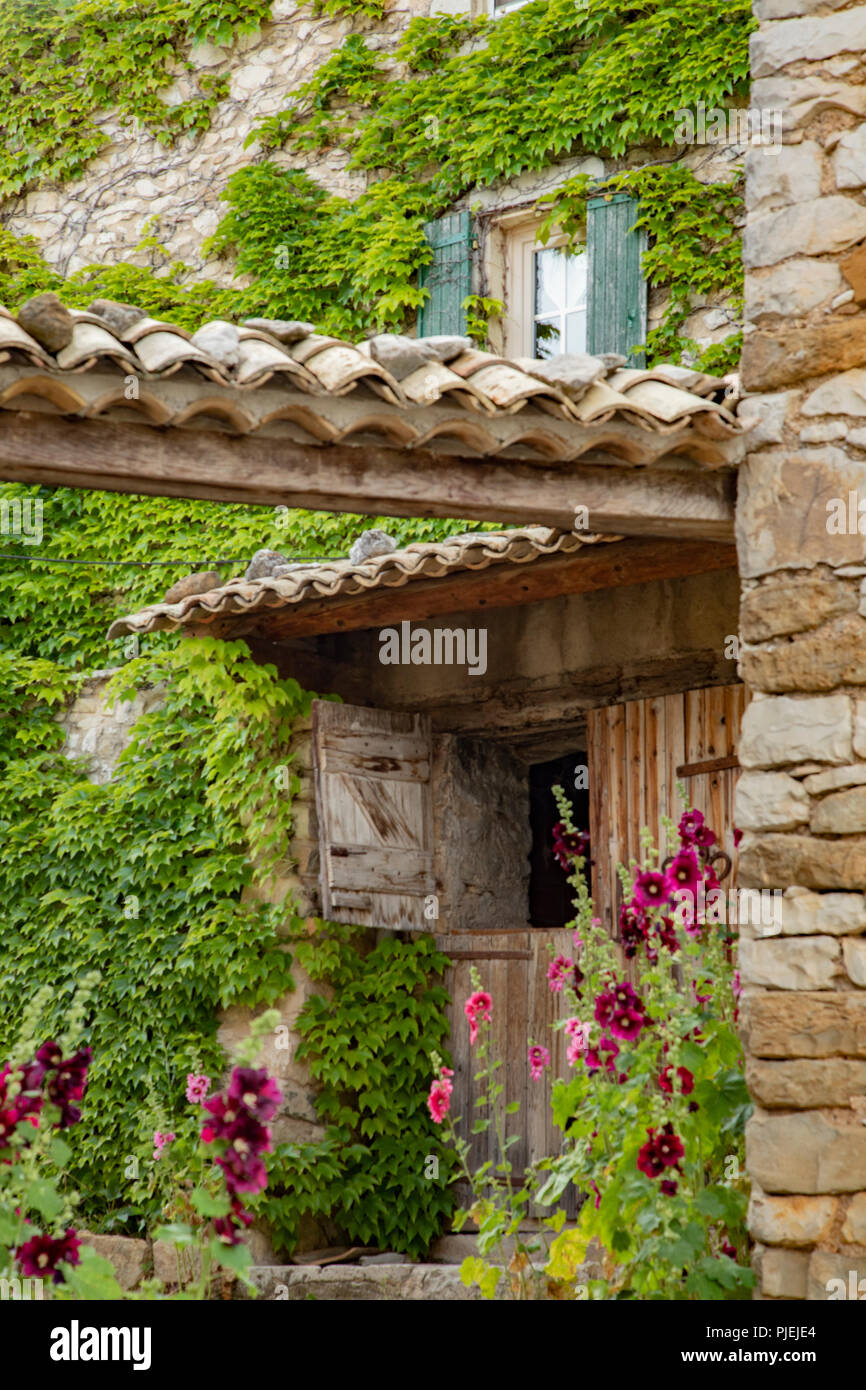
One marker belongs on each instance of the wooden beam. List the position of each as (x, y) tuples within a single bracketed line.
[(674, 499), (604, 566)]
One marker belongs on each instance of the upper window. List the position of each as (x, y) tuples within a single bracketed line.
[(559, 301)]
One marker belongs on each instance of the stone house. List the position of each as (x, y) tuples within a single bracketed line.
[(606, 642)]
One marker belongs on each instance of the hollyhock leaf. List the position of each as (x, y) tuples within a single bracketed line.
[(176, 1233), (236, 1257), (93, 1278), (206, 1204), (41, 1196), (59, 1152), (471, 1270)]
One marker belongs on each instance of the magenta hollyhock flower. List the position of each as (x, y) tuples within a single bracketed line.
[(243, 1172), (729, 1250), (634, 926), (228, 1228), (605, 1004), (594, 1187), (738, 836), (627, 1024), (687, 1081), (684, 872), (254, 1091), (439, 1100), (651, 888), (65, 1081), (626, 997), (667, 934), (593, 1056), (691, 823), (569, 845), (539, 1058), (42, 1254), (197, 1088)]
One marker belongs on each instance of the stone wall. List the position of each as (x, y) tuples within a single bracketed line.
[(802, 793)]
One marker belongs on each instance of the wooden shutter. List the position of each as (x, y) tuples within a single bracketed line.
[(448, 276), (375, 815), (616, 310), (636, 753)]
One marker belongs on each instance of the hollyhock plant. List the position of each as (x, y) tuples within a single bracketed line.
[(539, 1058), (683, 874)]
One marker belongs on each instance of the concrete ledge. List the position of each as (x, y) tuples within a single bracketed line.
[(359, 1283)]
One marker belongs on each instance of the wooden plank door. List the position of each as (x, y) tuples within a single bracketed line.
[(375, 816), (513, 969), (637, 753)]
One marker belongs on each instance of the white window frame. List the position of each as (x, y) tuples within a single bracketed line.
[(511, 276)]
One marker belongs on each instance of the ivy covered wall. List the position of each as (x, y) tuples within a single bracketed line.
[(126, 125)]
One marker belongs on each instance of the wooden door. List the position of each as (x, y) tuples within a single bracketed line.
[(375, 815), (513, 969), (637, 753)]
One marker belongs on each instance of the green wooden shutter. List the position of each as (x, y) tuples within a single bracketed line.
[(616, 310), (448, 276)]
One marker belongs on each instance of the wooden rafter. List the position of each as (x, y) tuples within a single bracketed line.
[(672, 499)]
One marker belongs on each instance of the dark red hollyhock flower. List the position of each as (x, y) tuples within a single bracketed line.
[(662, 1150), (49, 1055), (667, 934), (42, 1254), (687, 1081), (569, 845), (244, 1172), (634, 926), (255, 1091), (593, 1056), (738, 835), (651, 889), (605, 1006), (668, 1187), (626, 997), (229, 1227), (65, 1081), (729, 1250)]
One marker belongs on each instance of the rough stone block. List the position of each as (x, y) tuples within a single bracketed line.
[(793, 605), (782, 730), (790, 289), (805, 913), (854, 775), (806, 1153), (844, 394), (129, 1256), (791, 175), (791, 40), (784, 1273), (860, 728), (854, 956), (833, 656), (818, 227), (769, 861), (806, 1083), (834, 1277), (840, 813), (803, 1025), (854, 1225), (777, 357), (770, 801), (789, 1220), (785, 9), (808, 962)]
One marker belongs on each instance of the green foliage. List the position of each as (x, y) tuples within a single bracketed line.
[(63, 62), (368, 1047)]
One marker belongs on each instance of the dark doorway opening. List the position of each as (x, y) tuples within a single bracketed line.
[(550, 894)]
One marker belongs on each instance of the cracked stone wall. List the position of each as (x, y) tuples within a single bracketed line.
[(801, 798)]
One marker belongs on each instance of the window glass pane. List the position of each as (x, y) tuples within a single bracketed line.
[(575, 331), (549, 281), (546, 338), (575, 281)]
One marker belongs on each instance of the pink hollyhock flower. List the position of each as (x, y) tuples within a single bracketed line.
[(197, 1088), (478, 1005), (686, 1079), (160, 1141), (539, 1058), (577, 939), (605, 1003), (557, 971), (651, 889), (577, 1030), (702, 998), (439, 1100), (691, 823), (42, 1254)]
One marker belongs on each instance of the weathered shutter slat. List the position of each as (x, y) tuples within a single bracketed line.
[(375, 815), (616, 319), (448, 276)]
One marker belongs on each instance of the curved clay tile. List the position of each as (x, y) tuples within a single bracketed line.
[(315, 425), (145, 404), (92, 342), (46, 388), (218, 408)]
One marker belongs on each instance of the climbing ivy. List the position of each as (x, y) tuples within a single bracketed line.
[(64, 63)]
